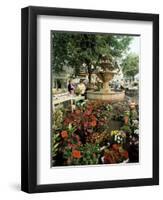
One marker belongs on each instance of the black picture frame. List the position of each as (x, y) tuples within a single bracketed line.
[(29, 99)]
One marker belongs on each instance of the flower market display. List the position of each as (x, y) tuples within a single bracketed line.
[(95, 133), (94, 98)]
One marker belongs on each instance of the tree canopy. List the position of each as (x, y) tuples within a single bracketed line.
[(130, 65), (75, 49)]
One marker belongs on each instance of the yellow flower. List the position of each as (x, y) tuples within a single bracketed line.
[(114, 132)]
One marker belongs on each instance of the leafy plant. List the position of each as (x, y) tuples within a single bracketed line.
[(90, 154), (99, 138), (115, 154), (57, 119), (70, 143), (82, 118), (134, 114), (76, 153), (55, 144), (127, 113), (126, 129), (118, 109)]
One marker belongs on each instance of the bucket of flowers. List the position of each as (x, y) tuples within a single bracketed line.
[(115, 154)]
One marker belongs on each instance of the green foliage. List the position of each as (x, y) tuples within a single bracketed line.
[(90, 154), (134, 114), (76, 49), (126, 129), (118, 110), (57, 119), (126, 113), (71, 129), (86, 153), (55, 144), (130, 65)]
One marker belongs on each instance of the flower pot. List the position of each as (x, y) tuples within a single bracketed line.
[(126, 119), (132, 105)]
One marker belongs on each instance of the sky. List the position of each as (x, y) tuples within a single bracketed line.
[(135, 45)]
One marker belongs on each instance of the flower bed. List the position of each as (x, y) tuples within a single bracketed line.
[(87, 136)]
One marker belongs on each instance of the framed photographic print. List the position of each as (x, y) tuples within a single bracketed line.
[(90, 99)]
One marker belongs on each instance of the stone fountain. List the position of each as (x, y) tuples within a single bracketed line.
[(106, 74)]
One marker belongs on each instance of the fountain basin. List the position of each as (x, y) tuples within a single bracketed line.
[(111, 96)]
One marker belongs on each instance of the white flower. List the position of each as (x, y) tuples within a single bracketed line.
[(115, 138), (108, 144), (118, 138), (102, 148), (135, 122), (136, 131)]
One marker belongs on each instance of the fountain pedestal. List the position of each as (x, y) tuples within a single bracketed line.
[(105, 77), (105, 94)]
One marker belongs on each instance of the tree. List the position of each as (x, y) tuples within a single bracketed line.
[(76, 49), (130, 65)]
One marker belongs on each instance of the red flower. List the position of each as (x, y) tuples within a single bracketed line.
[(85, 124), (88, 112), (125, 154), (69, 145), (115, 147), (93, 123), (109, 159), (76, 154), (77, 137), (64, 134)]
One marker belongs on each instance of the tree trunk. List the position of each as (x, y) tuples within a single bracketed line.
[(89, 73)]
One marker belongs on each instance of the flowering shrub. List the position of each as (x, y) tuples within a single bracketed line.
[(91, 117), (126, 129), (115, 154), (118, 110), (55, 144), (57, 119), (99, 138), (135, 124), (75, 153), (83, 119), (64, 134), (70, 149), (90, 154)]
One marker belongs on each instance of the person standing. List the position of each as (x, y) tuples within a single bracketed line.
[(71, 87), (81, 87)]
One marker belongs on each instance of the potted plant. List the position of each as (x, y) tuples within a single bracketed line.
[(126, 117), (132, 105), (115, 154)]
